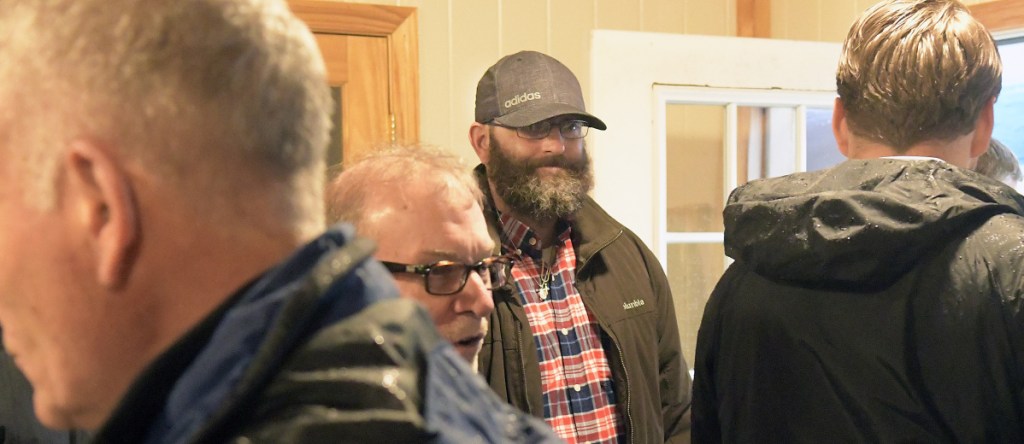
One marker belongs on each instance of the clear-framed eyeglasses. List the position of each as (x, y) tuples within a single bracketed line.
[(569, 129), (449, 277)]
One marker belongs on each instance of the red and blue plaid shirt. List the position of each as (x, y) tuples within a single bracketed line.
[(576, 380)]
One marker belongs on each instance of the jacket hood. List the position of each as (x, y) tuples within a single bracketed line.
[(863, 223)]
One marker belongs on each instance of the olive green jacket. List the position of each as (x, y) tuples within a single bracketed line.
[(623, 285)]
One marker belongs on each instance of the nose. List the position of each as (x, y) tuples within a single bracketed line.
[(554, 143), (475, 297)]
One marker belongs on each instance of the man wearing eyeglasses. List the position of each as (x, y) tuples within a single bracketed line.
[(586, 335), (422, 208)]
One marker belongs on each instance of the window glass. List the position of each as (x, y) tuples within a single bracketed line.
[(1009, 107), (693, 271), (822, 151), (694, 167)]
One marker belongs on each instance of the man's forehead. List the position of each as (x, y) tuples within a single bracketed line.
[(469, 251)]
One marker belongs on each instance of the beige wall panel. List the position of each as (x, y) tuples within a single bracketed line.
[(435, 74), (665, 16), (801, 19), (710, 17), (459, 39), (475, 46), (836, 18), (863, 5), (618, 14), (524, 25), (779, 20), (570, 39)]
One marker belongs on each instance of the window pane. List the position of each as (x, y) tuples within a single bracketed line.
[(694, 167), (766, 141), (749, 143), (822, 151), (693, 271), (1009, 108), (767, 136)]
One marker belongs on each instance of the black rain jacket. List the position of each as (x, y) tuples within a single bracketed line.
[(877, 301)]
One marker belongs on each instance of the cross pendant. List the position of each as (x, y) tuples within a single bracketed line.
[(543, 292)]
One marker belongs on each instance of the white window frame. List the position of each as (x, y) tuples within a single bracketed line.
[(625, 67), (731, 99)]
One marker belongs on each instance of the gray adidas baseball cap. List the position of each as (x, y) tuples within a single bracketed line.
[(527, 87)]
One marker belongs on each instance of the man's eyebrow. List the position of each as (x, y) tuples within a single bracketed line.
[(439, 255)]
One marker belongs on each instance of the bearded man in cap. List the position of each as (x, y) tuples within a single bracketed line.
[(586, 334)]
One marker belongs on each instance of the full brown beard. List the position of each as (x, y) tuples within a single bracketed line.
[(540, 198)]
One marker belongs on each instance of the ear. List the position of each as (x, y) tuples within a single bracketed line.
[(839, 128), (480, 138), (102, 199), (983, 129)]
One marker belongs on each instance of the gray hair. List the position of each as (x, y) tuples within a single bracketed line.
[(999, 163), (916, 70), (392, 170), (217, 96)]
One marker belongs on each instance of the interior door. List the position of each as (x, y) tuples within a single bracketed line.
[(372, 64), (362, 115)]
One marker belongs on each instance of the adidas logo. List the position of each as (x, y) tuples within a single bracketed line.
[(522, 98)]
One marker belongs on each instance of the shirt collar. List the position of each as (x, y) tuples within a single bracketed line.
[(914, 158), (518, 238)]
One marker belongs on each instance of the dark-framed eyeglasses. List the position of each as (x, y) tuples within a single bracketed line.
[(449, 277), (569, 129)]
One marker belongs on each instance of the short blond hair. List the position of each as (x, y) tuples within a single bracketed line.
[(916, 70), (215, 96), (392, 170)]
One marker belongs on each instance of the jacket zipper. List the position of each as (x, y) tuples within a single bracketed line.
[(629, 414), (622, 358), (522, 368)]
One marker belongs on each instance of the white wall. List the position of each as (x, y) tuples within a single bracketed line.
[(621, 83)]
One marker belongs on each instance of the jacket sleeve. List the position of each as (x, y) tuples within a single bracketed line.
[(356, 381), (312, 425), (675, 383)]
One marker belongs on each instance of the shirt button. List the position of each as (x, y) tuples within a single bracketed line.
[(533, 241), (565, 332), (519, 252), (576, 387)]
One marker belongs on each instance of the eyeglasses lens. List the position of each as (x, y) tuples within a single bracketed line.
[(570, 129)]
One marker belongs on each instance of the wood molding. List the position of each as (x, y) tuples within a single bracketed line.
[(1000, 15), (335, 17), (395, 23), (366, 106), (403, 45), (754, 18)]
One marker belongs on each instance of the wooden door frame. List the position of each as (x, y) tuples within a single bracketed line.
[(395, 23)]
